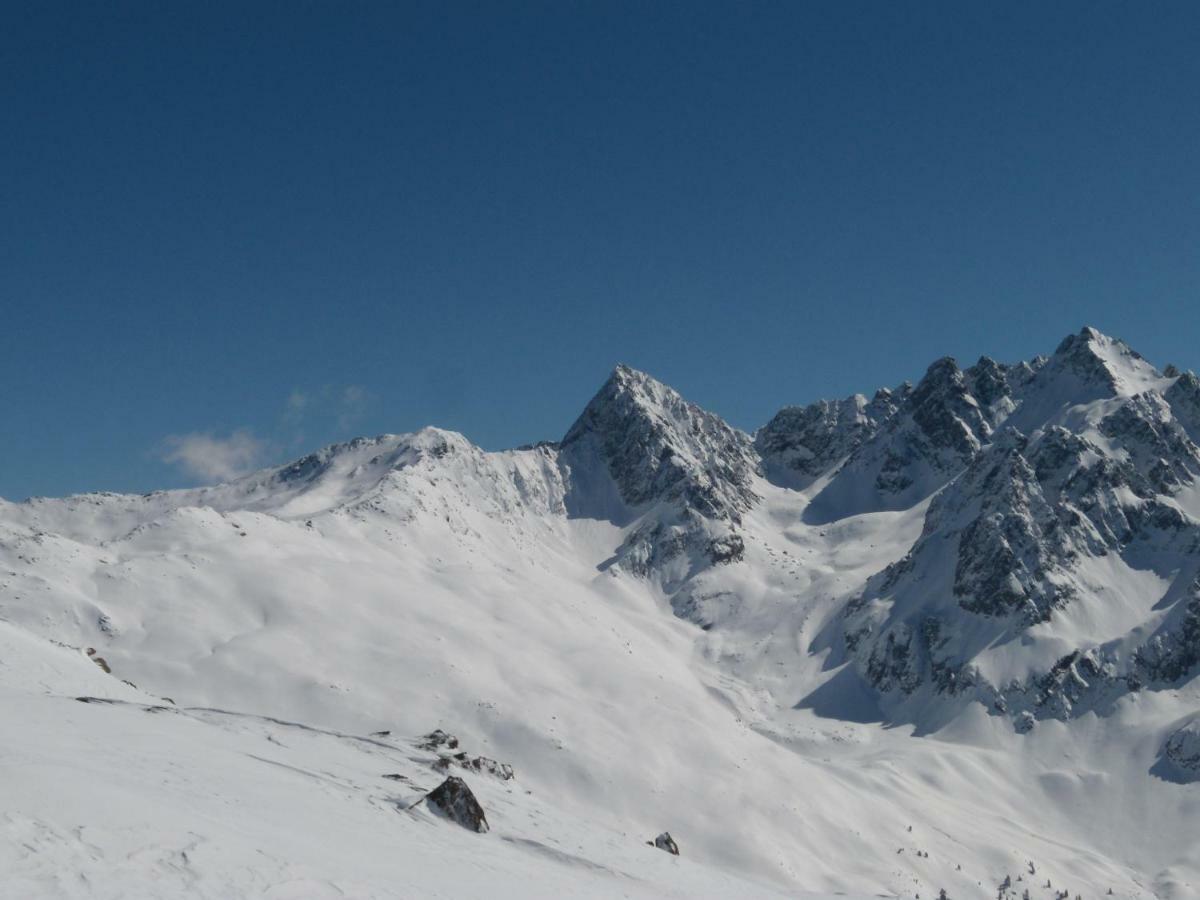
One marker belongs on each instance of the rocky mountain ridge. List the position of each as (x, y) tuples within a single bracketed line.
[(1038, 475), (660, 615)]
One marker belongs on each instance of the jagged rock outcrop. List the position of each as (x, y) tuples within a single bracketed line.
[(658, 447), (1043, 476), (454, 800), (1184, 399), (685, 473), (918, 438), (1034, 523), (810, 440), (1055, 571)]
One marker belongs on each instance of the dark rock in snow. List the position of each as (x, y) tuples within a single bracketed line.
[(1183, 747), (437, 739), (665, 842), (481, 764), (486, 766), (454, 800)]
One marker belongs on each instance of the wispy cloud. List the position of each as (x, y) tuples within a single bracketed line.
[(296, 405), (344, 405), (352, 404), (206, 456)]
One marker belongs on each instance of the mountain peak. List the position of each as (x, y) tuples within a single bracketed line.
[(627, 392), (1085, 340), (628, 374), (945, 367), (1097, 358), (656, 445), (627, 378)]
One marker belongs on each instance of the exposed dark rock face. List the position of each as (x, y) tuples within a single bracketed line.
[(1159, 448), (1006, 544), (1184, 399), (1183, 747), (1173, 651), (991, 384), (454, 800), (684, 471), (948, 417), (658, 447), (1077, 354), (1006, 550), (812, 439)]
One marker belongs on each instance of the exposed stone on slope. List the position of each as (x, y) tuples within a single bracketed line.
[(665, 842), (438, 739), (447, 748), (454, 800), (1183, 747), (481, 764)]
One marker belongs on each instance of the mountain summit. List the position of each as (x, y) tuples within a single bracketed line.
[(658, 446)]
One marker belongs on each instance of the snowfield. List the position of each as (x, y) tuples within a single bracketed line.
[(661, 624)]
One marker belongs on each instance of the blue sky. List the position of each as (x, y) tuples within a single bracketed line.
[(230, 233)]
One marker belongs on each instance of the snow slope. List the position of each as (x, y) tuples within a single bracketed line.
[(127, 796), (649, 621)]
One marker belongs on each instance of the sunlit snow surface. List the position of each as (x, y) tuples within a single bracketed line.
[(414, 582)]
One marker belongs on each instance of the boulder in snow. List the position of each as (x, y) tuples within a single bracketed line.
[(665, 842), (435, 740), (454, 800), (1183, 747)]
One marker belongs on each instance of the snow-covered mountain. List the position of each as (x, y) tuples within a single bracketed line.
[(945, 638)]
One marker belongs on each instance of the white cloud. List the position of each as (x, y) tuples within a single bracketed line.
[(205, 456), (297, 403), (353, 403), (345, 405), (209, 457)]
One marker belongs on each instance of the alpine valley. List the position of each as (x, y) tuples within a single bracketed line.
[(942, 640)]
